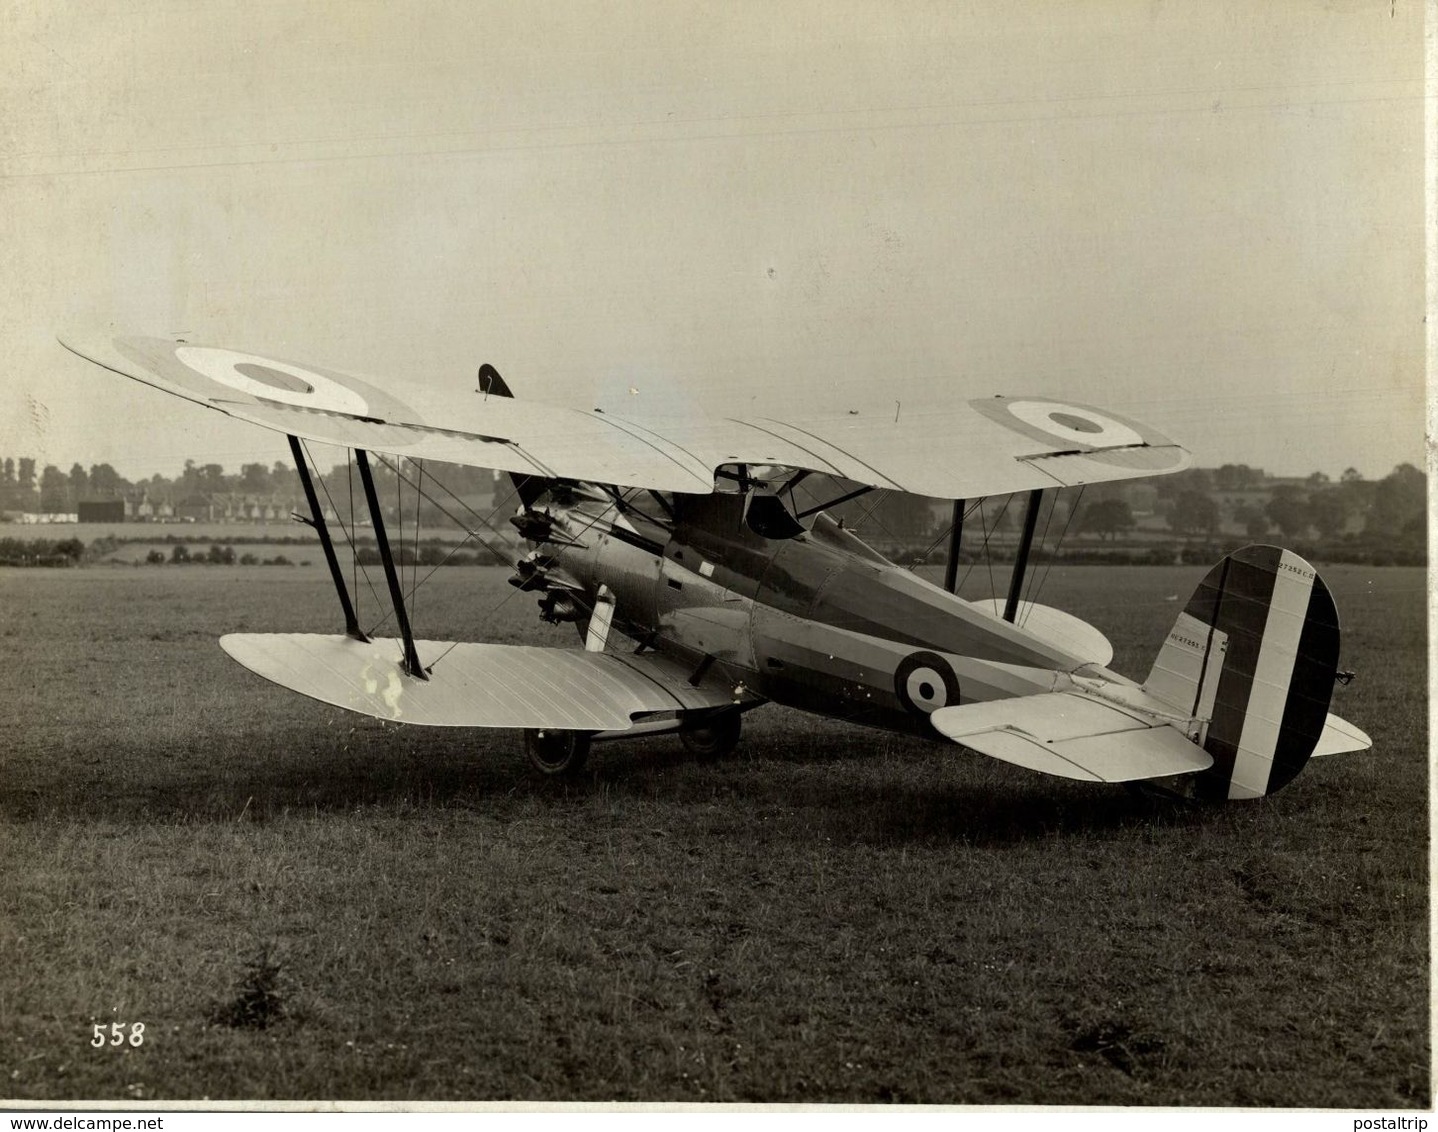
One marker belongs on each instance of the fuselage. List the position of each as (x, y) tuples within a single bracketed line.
[(819, 620)]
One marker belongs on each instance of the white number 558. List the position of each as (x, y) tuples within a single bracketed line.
[(117, 1035)]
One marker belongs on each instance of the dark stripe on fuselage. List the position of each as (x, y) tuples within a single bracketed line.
[(634, 538)]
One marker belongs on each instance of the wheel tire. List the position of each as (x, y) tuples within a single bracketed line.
[(556, 754), (716, 738)]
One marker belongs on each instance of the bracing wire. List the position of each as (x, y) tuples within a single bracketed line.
[(880, 495), (923, 559), (354, 551), (419, 495), (978, 506), (485, 520), (399, 518), (867, 517), (505, 600), (943, 536), (1029, 581), (500, 554), (1063, 534), (349, 537), (497, 553), (468, 534), (417, 581), (988, 553)]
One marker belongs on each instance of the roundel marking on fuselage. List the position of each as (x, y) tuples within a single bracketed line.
[(271, 380), (924, 682), (1074, 423)]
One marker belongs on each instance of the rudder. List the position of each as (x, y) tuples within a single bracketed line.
[(1252, 658)]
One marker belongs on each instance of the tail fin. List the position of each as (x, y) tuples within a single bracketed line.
[(1252, 659)]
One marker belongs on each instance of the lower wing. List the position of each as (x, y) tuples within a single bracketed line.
[(482, 685)]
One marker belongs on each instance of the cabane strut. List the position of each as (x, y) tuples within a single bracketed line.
[(1021, 563), (956, 536)]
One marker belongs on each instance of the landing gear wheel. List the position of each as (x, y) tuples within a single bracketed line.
[(556, 754), (716, 738)]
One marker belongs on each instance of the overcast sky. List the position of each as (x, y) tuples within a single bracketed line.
[(1207, 216)]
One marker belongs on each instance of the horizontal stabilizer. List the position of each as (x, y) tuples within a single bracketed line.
[(479, 685), (1340, 738), (1073, 736)]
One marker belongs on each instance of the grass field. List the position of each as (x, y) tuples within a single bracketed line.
[(828, 915)]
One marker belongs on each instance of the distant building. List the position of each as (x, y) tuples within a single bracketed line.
[(102, 511), (259, 508), (149, 510), (195, 509), (233, 507)]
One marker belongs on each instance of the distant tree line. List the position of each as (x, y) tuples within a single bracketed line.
[(1349, 519), (1393, 508), (74, 552), (52, 491), (1196, 504), (41, 552)]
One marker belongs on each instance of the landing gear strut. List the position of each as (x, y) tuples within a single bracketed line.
[(556, 754)]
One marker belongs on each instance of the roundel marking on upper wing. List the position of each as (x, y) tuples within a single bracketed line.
[(271, 380), (924, 682), (276, 379), (1074, 423)]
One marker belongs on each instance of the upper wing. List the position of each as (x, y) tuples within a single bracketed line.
[(986, 446), (480, 685)]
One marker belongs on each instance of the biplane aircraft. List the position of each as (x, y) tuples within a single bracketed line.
[(701, 590)]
